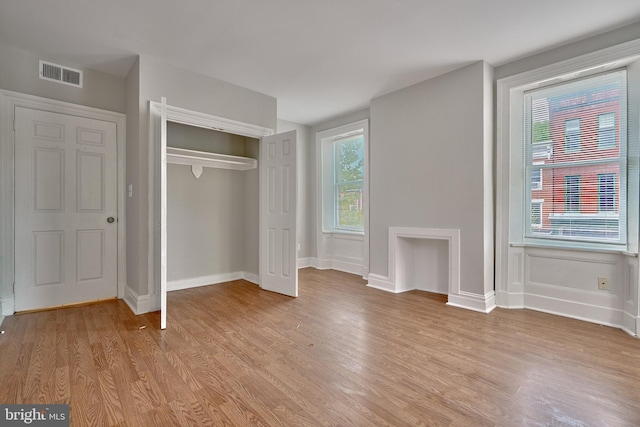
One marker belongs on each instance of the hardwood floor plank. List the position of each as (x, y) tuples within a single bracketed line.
[(341, 354)]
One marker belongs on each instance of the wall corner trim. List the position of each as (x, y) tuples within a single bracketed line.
[(482, 303), (7, 306), (140, 304), (381, 283)]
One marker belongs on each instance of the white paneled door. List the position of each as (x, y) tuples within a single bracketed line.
[(278, 237), (65, 209)]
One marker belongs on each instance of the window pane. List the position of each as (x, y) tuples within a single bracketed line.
[(606, 192), (349, 175), (607, 130), (536, 214), (576, 160), (572, 193), (572, 135)]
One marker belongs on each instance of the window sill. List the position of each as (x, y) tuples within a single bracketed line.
[(604, 250), (344, 232)]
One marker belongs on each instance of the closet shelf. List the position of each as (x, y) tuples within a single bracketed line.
[(199, 159)]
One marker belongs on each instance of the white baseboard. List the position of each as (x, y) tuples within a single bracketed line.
[(630, 324), (602, 315), (140, 304), (1, 320), (214, 279), (250, 277), (482, 303), (509, 300), (195, 282), (7, 306), (337, 264), (307, 262), (381, 283)]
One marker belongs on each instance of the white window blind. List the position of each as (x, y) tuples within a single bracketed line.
[(575, 160)]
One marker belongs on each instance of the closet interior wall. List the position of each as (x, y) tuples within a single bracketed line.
[(212, 221)]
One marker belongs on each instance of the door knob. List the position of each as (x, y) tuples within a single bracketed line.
[(110, 219)]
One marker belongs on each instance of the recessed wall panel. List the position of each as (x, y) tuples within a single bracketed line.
[(286, 263), (48, 180), (90, 182), (286, 147), (286, 182), (48, 257), (90, 250), (48, 131), (271, 190), (272, 251), (271, 150), (90, 136)]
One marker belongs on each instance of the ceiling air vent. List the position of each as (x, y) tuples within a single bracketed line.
[(58, 73)]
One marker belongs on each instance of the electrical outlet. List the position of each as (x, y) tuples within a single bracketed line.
[(603, 283)]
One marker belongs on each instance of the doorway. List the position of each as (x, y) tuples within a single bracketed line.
[(99, 247)]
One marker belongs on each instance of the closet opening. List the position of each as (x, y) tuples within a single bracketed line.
[(213, 195)]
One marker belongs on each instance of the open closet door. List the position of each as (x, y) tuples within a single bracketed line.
[(278, 235), (163, 213)]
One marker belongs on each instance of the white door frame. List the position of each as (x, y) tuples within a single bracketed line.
[(8, 101), (157, 233)]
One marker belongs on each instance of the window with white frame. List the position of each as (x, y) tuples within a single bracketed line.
[(585, 175), (607, 130), (343, 169)]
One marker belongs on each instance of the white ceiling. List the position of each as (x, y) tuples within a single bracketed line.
[(319, 58)]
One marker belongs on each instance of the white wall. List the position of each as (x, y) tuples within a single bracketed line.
[(430, 167), (185, 89), (19, 73), (208, 234)]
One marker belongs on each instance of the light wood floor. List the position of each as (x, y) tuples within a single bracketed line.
[(341, 354)]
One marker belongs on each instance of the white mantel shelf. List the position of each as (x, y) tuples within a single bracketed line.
[(201, 159)]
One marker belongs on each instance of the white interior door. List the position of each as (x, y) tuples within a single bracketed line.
[(278, 236), (65, 209)]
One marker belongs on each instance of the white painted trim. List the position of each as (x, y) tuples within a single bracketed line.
[(306, 262), (452, 236), (482, 303), (381, 283), (195, 282), (8, 102), (190, 118), (193, 158), (456, 297), (140, 304), (573, 309), (7, 306), (1, 320), (251, 277), (208, 121)]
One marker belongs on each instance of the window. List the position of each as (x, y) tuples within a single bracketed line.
[(607, 130), (585, 172), (536, 214), (343, 156), (572, 135), (607, 192), (572, 193), (349, 182), (536, 178)]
